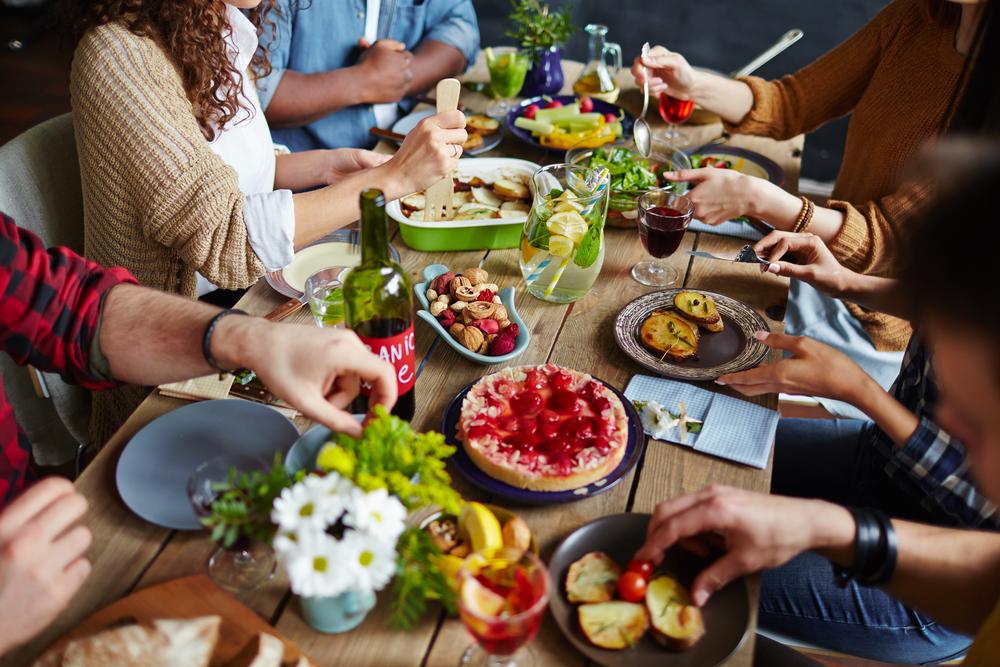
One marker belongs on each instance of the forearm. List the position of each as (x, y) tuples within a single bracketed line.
[(729, 98), (303, 98), (875, 292), (781, 209), (889, 414), (433, 61), (301, 171)]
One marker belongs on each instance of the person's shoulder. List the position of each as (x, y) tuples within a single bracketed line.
[(114, 43), (899, 13)]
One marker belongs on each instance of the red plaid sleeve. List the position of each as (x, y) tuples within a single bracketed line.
[(49, 306)]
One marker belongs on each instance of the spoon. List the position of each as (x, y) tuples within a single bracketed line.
[(786, 40), (641, 134)]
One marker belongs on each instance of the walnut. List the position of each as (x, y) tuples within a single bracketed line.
[(437, 308), (472, 338), (477, 276), (484, 348), (490, 337), (456, 330), (480, 310), (444, 534), (466, 293), (500, 313), (457, 283)]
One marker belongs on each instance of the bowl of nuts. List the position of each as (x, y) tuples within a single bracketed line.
[(473, 315)]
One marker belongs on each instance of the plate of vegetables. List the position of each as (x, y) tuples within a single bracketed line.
[(631, 175), (742, 160), (560, 123)]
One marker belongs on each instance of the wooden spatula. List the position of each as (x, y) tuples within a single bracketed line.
[(439, 196)]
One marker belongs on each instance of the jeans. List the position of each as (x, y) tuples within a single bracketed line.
[(834, 460)]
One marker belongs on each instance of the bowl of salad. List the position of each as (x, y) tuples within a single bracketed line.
[(631, 175)]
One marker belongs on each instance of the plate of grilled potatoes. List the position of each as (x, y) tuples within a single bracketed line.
[(690, 334), (484, 132)]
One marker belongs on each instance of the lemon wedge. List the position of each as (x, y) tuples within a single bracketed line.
[(481, 600), (569, 224), (482, 527), (560, 246), (449, 567)]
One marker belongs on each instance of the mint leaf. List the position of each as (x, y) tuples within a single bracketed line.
[(590, 248)]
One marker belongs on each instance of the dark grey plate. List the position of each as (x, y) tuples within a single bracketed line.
[(731, 350), (727, 614), (155, 465)]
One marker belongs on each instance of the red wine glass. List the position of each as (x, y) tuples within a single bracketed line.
[(663, 219), (674, 111)]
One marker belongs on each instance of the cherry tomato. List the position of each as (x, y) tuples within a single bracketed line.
[(586, 104), (632, 587), (643, 567), (531, 110), (553, 104), (610, 118)]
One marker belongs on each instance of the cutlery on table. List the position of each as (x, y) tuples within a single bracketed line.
[(386, 134), (746, 255), (439, 196), (786, 40), (641, 134)]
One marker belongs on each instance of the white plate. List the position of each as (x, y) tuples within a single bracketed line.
[(487, 168), (409, 121)]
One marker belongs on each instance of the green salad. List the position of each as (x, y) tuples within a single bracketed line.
[(630, 175)]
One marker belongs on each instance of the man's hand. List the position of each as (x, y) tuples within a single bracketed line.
[(385, 71), (814, 369), (342, 162), (317, 371), (41, 558), (815, 264), (756, 531)]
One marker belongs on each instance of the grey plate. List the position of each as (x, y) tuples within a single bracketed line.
[(155, 465), (727, 614), (731, 350)]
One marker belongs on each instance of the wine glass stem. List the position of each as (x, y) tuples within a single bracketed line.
[(501, 661)]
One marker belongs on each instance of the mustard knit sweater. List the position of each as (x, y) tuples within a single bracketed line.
[(896, 77), (157, 199)]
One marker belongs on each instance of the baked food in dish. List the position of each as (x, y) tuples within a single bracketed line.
[(543, 428), (700, 309), (592, 578), (670, 335)]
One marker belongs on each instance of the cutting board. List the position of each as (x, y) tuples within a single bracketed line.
[(187, 598)]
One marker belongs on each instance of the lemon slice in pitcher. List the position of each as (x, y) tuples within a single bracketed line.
[(560, 246), (569, 224)]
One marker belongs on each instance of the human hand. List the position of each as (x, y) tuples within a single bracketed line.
[(42, 562), (717, 194), (429, 153), (317, 371), (385, 71), (815, 264), (342, 162), (814, 369), (757, 531), (668, 72)]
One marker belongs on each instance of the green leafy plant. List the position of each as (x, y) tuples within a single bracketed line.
[(537, 28), (418, 580)]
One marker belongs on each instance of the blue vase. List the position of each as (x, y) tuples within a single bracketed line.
[(339, 613), (545, 76)]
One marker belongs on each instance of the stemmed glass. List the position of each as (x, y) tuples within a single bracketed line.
[(663, 219), (507, 66), (501, 602), (325, 293), (674, 111), (246, 564)]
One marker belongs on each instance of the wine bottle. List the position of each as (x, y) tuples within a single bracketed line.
[(378, 306)]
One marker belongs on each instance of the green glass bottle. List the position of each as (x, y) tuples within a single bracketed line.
[(378, 305)]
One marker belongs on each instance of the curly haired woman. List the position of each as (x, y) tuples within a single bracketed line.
[(181, 182)]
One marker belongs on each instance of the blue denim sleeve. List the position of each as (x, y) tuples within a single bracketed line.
[(453, 22), (276, 39), (936, 462)]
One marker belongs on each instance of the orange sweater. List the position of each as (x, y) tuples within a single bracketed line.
[(896, 77)]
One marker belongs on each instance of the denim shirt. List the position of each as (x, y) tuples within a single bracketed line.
[(321, 35)]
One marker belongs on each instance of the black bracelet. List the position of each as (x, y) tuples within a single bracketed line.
[(874, 550), (888, 552), (206, 340)]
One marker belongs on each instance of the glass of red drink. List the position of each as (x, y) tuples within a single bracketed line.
[(674, 111), (502, 598), (663, 219)]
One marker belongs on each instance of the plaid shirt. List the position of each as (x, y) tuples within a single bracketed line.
[(932, 465), (49, 306)]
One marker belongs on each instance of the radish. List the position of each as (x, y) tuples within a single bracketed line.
[(554, 104), (610, 118), (531, 110), (586, 104)]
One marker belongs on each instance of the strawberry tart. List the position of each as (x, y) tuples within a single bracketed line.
[(543, 428)]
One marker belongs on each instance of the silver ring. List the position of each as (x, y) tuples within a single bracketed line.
[(456, 150)]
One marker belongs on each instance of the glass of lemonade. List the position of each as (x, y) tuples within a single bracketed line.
[(325, 293), (562, 245), (508, 66)]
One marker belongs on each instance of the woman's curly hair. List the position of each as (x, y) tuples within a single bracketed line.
[(193, 33)]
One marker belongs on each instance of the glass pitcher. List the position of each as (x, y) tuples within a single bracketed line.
[(562, 244), (598, 78)]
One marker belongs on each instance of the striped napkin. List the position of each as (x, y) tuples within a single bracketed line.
[(211, 387), (735, 228)]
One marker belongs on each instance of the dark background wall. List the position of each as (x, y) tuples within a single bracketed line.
[(722, 35)]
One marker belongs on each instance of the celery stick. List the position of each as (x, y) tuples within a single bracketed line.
[(534, 126), (558, 113)]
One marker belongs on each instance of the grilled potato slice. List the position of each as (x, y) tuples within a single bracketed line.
[(613, 625), (511, 190), (475, 140), (592, 578), (677, 624), (482, 124), (670, 335), (700, 309)]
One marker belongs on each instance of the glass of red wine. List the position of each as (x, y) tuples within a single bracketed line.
[(245, 564), (674, 111), (663, 219)]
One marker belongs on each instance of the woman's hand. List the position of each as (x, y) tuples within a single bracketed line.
[(341, 162), (814, 369), (814, 264), (668, 73), (757, 531), (429, 153), (718, 195)]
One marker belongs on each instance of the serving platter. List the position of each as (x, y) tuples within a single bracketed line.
[(600, 106)]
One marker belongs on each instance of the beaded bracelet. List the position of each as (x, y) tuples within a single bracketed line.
[(206, 340), (805, 216)]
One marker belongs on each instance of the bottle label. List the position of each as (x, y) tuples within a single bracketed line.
[(400, 351)]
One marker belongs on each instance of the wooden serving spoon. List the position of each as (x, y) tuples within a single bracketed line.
[(439, 196)]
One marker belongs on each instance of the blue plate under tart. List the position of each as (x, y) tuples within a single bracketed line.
[(633, 452)]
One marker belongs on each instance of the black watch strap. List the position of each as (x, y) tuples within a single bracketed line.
[(206, 340)]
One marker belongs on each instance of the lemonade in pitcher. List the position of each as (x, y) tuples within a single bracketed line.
[(562, 245)]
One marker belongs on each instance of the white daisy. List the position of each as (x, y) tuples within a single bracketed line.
[(369, 562), (316, 566), (377, 513), (308, 503)]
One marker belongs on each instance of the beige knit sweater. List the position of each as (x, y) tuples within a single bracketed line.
[(157, 199)]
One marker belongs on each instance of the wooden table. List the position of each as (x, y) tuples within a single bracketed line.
[(129, 554)]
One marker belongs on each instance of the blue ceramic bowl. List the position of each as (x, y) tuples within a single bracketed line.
[(506, 297), (600, 106)]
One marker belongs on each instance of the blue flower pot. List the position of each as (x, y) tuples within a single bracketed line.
[(339, 613), (545, 76)]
